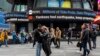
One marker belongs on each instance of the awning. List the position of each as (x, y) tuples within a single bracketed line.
[(97, 20)]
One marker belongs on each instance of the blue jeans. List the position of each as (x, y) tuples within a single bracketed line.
[(0, 44), (38, 49), (14, 39), (85, 50), (6, 42), (94, 42)]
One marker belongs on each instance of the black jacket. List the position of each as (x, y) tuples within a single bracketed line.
[(85, 35), (37, 37)]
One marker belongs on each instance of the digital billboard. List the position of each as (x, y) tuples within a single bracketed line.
[(98, 4)]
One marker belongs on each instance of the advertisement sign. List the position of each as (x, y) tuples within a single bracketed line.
[(18, 15), (98, 4), (64, 12), (63, 17)]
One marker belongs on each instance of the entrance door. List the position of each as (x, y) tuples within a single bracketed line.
[(21, 25)]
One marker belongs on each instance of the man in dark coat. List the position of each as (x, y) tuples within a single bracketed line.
[(41, 37), (84, 39)]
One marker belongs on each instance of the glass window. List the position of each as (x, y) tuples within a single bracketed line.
[(77, 5), (76, 0), (86, 5), (66, 4), (17, 7), (41, 3), (23, 7), (53, 3)]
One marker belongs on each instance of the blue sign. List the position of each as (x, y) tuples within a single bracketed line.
[(2, 21), (18, 15), (2, 17), (76, 12)]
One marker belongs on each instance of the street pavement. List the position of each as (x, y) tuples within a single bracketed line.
[(65, 50)]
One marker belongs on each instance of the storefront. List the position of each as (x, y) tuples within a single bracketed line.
[(61, 13)]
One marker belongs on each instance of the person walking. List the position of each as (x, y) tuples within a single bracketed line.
[(29, 37), (6, 38), (35, 34), (69, 35), (52, 36), (90, 36), (14, 37), (1, 38), (46, 44), (84, 39), (23, 36), (41, 36), (94, 37), (58, 37), (4, 35), (81, 35)]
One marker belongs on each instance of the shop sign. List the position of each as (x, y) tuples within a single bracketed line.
[(64, 17), (17, 19), (67, 12), (15, 15)]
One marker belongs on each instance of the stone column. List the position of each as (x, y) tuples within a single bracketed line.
[(12, 27), (30, 27)]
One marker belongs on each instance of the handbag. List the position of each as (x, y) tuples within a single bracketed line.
[(79, 44)]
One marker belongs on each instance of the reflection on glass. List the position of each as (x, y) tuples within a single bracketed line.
[(66, 4), (53, 3), (41, 3), (23, 8), (86, 5), (17, 7)]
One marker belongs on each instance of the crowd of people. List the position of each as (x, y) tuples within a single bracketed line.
[(43, 37), (88, 35), (22, 37)]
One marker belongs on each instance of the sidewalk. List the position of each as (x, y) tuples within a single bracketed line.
[(65, 50)]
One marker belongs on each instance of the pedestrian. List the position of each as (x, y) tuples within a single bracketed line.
[(90, 37), (26, 37), (94, 37), (23, 36), (1, 38), (69, 35), (46, 44), (41, 36), (94, 34), (14, 37), (4, 34), (84, 39), (52, 36), (81, 35), (58, 37), (30, 37), (35, 34), (38, 39)]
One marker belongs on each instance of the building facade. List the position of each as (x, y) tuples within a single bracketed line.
[(62, 13)]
